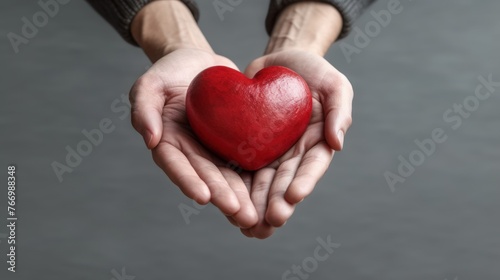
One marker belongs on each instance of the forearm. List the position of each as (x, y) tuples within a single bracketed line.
[(164, 26), (308, 26)]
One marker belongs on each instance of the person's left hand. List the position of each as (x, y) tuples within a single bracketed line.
[(277, 188)]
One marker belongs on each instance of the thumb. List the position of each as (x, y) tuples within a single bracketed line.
[(254, 67), (147, 100), (336, 95)]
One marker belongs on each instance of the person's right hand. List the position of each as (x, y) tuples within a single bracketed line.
[(158, 114)]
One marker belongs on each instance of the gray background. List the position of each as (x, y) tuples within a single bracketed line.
[(117, 209)]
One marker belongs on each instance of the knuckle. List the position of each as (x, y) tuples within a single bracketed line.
[(348, 120), (344, 83)]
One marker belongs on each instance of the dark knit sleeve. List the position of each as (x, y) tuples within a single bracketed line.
[(119, 13), (349, 9)]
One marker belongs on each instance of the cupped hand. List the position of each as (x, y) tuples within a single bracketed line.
[(277, 188), (158, 114)]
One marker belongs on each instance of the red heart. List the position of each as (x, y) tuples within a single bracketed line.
[(249, 122)]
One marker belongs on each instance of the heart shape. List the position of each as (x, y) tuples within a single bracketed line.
[(249, 122)]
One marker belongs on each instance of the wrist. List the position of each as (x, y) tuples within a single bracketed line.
[(306, 26), (162, 27)]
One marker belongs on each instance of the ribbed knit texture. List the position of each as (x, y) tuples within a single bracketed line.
[(349, 9), (120, 13)]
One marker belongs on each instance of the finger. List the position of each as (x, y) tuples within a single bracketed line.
[(260, 190), (313, 166), (278, 209), (147, 100), (246, 217), (247, 233), (232, 221), (336, 96), (247, 179), (178, 168), (222, 196)]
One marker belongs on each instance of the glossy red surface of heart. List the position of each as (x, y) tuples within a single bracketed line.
[(248, 122)]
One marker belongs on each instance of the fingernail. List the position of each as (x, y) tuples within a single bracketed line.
[(340, 135), (147, 138)]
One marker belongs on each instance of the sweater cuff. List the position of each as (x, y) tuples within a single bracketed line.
[(349, 9), (120, 13)]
